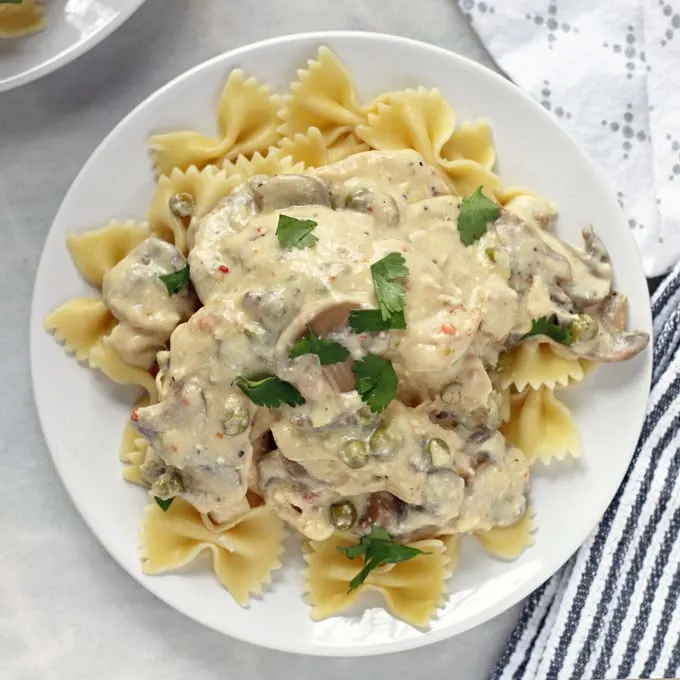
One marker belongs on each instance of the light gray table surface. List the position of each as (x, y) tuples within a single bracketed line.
[(67, 610)]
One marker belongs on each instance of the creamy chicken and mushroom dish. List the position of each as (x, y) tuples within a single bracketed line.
[(331, 343)]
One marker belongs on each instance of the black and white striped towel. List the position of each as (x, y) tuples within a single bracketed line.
[(614, 610)]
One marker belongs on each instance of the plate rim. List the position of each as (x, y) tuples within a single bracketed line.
[(433, 636), (68, 54)]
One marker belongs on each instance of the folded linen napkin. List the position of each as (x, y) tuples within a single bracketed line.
[(610, 72), (614, 610)]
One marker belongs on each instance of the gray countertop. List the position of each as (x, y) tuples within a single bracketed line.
[(66, 609)]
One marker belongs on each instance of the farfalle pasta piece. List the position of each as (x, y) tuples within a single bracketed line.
[(452, 545), (323, 97), (308, 148), (21, 19), (80, 324), (207, 187), (135, 458), (103, 357), (244, 556), (344, 146), (510, 542), (536, 362), (247, 120), (97, 251), (473, 142), (414, 119), (412, 590), (273, 163), (466, 176), (541, 426), (133, 450)]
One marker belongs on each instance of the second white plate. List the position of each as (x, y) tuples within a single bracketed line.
[(73, 27)]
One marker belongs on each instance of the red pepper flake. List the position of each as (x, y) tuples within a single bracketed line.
[(259, 230), (308, 497), (224, 269), (448, 328), (204, 324), (404, 249), (369, 209), (173, 448), (363, 337), (332, 279), (219, 435), (185, 401), (134, 415)]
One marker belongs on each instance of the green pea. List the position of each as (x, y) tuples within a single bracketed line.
[(382, 444), (343, 515), (236, 420), (168, 485), (182, 205), (353, 453), (439, 452), (359, 200), (583, 328)]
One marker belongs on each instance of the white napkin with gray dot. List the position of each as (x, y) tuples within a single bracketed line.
[(610, 72)]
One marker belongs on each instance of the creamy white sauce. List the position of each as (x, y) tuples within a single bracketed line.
[(433, 460), (139, 299)]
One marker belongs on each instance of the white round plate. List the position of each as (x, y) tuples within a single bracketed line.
[(83, 417), (73, 27)]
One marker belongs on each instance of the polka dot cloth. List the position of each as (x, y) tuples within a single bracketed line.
[(610, 73)]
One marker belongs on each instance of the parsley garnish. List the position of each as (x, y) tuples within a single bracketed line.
[(476, 211), (548, 326), (371, 321), (329, 352), (269, 391), (377, 548), (376, 381), (175, 281), (388, 281), (163, 505), (294, 233)]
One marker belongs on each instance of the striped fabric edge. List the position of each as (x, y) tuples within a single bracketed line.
[(557, 632)]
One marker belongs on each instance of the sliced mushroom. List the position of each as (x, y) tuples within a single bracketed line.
[(340, 376), (383, 509), (614, 310), (612, 346), (283, 191), (607, 345), (592, 271), (595, 250), (230, 216), (382, 206), (322, 317)]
